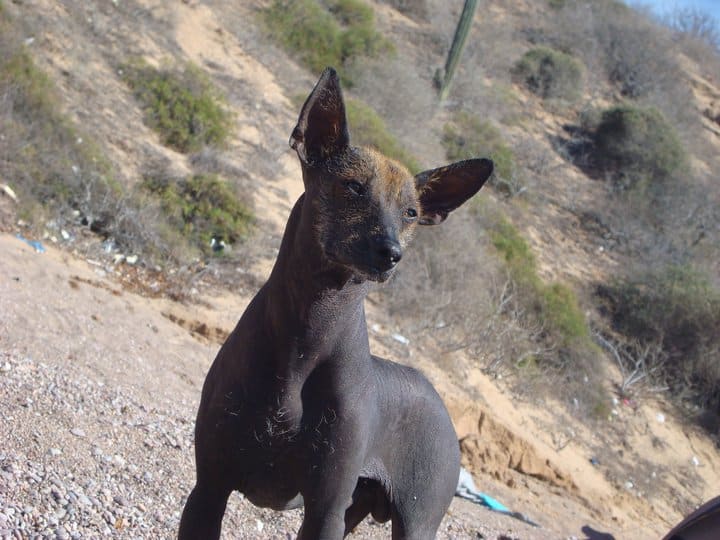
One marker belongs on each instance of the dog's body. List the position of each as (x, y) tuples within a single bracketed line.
[(295, 410)]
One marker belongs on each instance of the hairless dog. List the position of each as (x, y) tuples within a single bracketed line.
[(295, 410)]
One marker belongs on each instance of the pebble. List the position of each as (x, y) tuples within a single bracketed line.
[(78, 432)]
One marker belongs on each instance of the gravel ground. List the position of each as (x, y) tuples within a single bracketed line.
[(98, 393)]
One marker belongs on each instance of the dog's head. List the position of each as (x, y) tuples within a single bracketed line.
[(366, 206)]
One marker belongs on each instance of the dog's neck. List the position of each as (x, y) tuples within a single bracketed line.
[(312, 302)]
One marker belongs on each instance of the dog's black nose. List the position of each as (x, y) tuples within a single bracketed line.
[(388, 252)]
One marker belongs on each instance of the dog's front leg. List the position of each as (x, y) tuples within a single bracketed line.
[(325, 507), (322, 524), (334, 468)]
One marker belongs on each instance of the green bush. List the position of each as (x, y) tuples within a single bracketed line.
[(677, 308), (330, 33), (561, 310), (306, 29), (368, 129), (638, 147), (555, 305), (182, 106), (516, 252), (549, 73), (202, 207), (466, 137)]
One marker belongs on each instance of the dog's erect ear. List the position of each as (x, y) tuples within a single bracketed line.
[(321, 130), (444, 189)]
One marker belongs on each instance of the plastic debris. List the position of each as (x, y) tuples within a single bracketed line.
[(217, 244), (37, 246), (467, 490), (401, 339), (9, 192), (660, 417)]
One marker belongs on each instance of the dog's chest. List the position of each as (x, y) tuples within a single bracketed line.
[(276, 463)]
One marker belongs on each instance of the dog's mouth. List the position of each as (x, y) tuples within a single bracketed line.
[(361, 267), (375, 275)]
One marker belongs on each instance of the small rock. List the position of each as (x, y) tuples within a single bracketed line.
[(78, 432), (54, 452), (131, 259)]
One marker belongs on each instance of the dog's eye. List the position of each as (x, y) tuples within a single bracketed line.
[(356, 188), (410, 215)]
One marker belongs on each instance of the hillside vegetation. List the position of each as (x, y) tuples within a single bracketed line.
[(586, 272)]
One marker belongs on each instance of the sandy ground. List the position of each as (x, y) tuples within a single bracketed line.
[(99, 388)]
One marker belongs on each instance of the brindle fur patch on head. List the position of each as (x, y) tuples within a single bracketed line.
[(360, 197)]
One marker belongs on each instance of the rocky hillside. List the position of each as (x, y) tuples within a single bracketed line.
[(567, 316)]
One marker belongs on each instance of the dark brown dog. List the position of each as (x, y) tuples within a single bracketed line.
[(295, 410)]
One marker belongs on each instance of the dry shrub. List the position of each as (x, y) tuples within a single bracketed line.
[(368, 129), (406, 114), (697, 34), (632, 51), (417, 9), (468, 137), (695, 23), (627, 48), (452, 287), (59, 171), (677, 310)]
